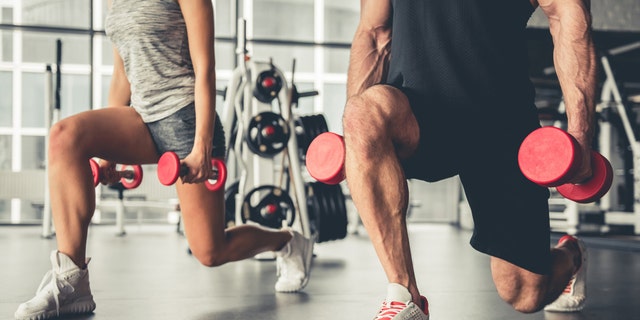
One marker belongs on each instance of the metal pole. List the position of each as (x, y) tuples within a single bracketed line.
[(47, 230)]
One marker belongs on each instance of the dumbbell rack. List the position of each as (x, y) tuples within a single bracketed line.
[(611, 101), (244, 166)]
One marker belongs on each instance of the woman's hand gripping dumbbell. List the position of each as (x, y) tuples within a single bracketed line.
[(170, 168), (129, 175), (551, 157)]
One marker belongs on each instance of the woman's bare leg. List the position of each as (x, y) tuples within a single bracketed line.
[(116, 134)]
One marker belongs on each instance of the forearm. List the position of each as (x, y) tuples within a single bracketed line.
[(205, 106), (369, 59), (575, 63)]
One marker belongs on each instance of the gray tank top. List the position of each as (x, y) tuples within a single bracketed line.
[(151, 38)]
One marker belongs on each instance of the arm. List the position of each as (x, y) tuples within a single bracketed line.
[(120, 88), (198, 15), (575, 64), (371, 47)]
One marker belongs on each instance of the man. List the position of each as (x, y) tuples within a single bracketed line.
[(438, 88)]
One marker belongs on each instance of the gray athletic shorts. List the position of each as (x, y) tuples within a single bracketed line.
[(177, 132)]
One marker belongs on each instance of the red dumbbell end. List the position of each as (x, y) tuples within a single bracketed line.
[(597, 186), (137, 177), (549, 156), (325, 158), (222, 175), (95, 170), (168, 168)]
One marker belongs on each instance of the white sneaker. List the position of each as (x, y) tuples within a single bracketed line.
[(294, 263), (574, 295), (64, 290), (399, 305)]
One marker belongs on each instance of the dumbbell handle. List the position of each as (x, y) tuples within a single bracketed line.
[(170, 168), (184, 170), (135, 175)]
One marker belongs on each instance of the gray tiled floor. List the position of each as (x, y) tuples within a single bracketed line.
[(149, 275)]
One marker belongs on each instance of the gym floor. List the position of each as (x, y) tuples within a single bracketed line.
[(148, 274)]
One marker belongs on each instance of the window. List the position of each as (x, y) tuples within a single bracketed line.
[(341, 19), (33, 153), (283, 19), (6, 98), (38, 47), (6, 45), (58, 13), (33, 100), (5, 152)]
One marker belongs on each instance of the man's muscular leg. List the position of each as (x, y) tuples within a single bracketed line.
[(528, 292), (379, 130)]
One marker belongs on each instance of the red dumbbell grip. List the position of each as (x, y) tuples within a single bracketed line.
[(594, 188), (169, 169), (131, 175)]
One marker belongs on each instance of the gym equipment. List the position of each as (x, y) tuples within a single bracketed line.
[(308, 128), (267, 86), (230, 193), (549, 157), (267, 134), (52, 115), (618, 134), (170, 168), (273, 208), (327, 211), (325, 158), (130, 175)]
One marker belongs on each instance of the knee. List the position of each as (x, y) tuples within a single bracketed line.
[(368, 115), (209, 258), (522, 300), (359, 117), (64, 137)]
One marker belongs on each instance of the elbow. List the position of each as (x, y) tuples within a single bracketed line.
[(571, 16)]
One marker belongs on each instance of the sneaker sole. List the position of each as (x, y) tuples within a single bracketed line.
[(72, 309)]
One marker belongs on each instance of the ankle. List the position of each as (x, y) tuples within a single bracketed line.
[(570, 245)]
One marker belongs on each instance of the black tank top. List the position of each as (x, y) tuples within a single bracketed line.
[(466, 54)]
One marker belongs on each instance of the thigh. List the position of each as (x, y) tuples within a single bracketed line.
[(203, 216), (117, 134), (384, 111)]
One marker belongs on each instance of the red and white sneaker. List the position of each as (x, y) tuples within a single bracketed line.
[(574, 295), (398, 305)]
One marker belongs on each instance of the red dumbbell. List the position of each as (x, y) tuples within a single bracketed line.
[(550, 157), (169, 169), (325, 158), (130, 175)]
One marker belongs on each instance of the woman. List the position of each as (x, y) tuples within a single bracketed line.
[(164, 68)]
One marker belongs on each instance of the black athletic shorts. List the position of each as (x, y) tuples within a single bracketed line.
[(480, 144)]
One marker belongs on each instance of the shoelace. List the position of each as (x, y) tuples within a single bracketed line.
[(569, 288), (390, 310), (53, 278)]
